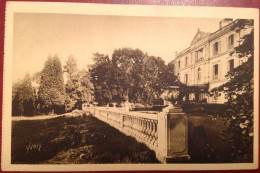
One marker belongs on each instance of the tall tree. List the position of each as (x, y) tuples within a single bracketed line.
[(240, 92), (51, 89), (128, 66), (23, 97), (130, 75), (101, 74), (71, 70), (79, 89), (86, 88)]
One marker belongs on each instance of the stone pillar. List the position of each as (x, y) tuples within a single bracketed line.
[(177, 134), (127, 106), (114, 105), (162, 136), (172, 135)]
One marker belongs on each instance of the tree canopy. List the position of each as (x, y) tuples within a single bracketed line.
[(130, 75), (78, 87), (23, 97), (51, 90)]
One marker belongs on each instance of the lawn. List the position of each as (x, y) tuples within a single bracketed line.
[(85, 139), (207, 144), (66, 140)]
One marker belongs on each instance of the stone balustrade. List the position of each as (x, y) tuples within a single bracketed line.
[(157, 131)]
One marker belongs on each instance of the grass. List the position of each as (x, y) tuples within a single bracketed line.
[(66, 140), (207, 144)]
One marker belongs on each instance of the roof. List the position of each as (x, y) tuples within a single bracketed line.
[(199, 36)]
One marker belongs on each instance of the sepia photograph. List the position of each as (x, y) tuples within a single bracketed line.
[(130, 89)]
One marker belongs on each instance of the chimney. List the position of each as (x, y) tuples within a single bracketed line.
[(225, 22)]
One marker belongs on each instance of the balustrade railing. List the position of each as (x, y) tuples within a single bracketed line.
[(151, 129)]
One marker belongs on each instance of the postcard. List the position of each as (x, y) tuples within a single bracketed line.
[(98, 87)]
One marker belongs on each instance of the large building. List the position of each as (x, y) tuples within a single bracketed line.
[(206, 62)]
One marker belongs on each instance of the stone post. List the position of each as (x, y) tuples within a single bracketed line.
[(127, 106), (162, 136), (172, 135), (177, 134), (114, 105)]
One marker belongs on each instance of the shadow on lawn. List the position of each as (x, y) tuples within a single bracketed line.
[(207, 144), (67, 140)]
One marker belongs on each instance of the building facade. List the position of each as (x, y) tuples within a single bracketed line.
[(206, 62)]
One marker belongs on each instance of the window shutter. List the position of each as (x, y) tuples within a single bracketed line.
[(219, 46), (227, 66), (220, 70), (211, 74), (236, 39), (227, 43)]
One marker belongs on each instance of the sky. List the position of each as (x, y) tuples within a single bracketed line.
[(38, 36)]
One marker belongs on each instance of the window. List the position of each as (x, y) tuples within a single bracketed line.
[(215, 97), (199, 74), (186, 61), (215, 71), (231, 41), (199, 55), (231, 64), (179, 64), (186, 78), (216, 48)]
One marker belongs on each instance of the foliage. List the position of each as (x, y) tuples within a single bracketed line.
[(51, 90), (128, 67), (240, 93), (101, 74), (130, 75), (78, 88), (23, 97)]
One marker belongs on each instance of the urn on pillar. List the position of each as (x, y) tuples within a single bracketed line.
[(170, 97), (172, 127)]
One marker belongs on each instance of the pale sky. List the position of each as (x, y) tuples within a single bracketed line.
[(36, 36)]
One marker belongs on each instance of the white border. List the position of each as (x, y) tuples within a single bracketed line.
[(122, 10)]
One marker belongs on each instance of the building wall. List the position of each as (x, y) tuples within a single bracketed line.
[(203, 63)]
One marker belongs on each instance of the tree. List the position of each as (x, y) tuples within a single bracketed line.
[(79, 89), (128, 70), (156, 76), (86, 88), (240, 92), (23, 97), (51, 89), (102, 77), (130, 75)]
